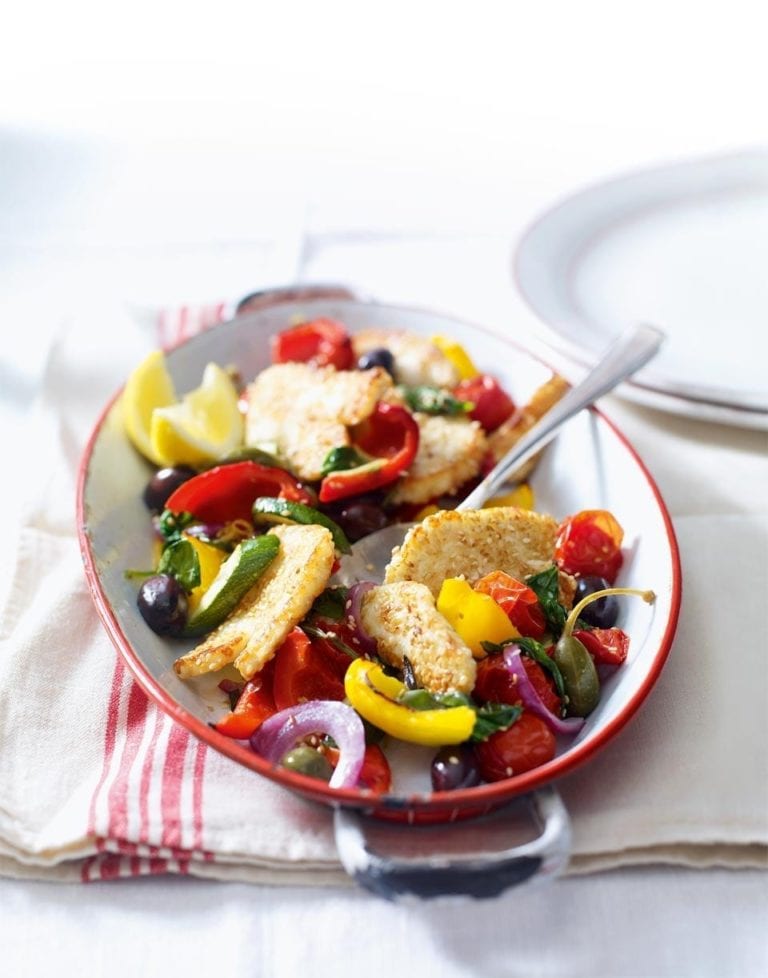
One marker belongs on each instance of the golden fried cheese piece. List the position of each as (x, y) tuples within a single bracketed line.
[(511, 431), (450, 452), (275, 604), (474, 543), (403, 620), (417, 359), (303, 412)]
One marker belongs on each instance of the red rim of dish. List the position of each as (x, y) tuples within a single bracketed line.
[(482, 797)]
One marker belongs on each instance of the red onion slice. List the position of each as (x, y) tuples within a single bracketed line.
[(277, 735), (531, 699), (352, 614)]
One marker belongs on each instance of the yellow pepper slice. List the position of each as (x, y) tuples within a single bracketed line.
[(458, 356), (521, 497), (475, 616), (211, 558), (425, 511), (374, 695)]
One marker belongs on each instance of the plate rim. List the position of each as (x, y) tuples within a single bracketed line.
[(649, 387), (474, 800)]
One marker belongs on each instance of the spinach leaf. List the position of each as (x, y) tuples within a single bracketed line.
[(493, 717), (434, 400), (340, 459), (546, 585), (330, 604), (180, 560)]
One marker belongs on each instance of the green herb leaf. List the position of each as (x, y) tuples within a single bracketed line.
[(330, 603), (342, 458), (434, 400), (536, 651), (180, 560), (493, 717), (171, 525), (493, 648), (422, 699), (137, 575), (546, 585)]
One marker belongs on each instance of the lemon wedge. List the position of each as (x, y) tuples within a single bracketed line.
[(148, 387), (203, 426)]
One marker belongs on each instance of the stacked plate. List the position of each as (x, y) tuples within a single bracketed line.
[(684, 247)]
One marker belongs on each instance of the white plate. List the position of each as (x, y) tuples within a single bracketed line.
[(590, 465), (683, 247)]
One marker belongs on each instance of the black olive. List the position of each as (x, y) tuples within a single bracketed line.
[(358, 519), (163, 483), (162, 602), (453, 768), (601, 613), (380, 357)]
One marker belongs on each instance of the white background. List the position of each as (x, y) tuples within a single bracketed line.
[(147, 153)]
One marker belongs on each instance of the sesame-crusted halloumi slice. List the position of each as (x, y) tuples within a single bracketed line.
[(474, 543), (511, 431), (275, 604), (417, 359), (403, 620), (304, 411), (450, 452)]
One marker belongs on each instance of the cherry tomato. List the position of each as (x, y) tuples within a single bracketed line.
[(320, 342), (589, 543), (607, 646), (518, 602), (492, 403), (495, 683), (302, 673), (340, 635), (227, 492), (255, 704), (375, 774), (527, 744)]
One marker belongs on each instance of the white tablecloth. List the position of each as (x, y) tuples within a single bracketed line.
[(150, 223)]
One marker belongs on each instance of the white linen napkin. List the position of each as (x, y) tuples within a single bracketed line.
[(96, 782)]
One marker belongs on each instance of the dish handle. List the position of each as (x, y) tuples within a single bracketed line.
[(478, 875), (264, 298)]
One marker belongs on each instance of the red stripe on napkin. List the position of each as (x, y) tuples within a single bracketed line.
[(110, 736), (118, 795)]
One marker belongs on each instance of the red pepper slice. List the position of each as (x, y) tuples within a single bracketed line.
[(518, 602), (391, 435), (607, 646), (227, 492), (319, 342), (302, 673), (375, 774), (255, 705)]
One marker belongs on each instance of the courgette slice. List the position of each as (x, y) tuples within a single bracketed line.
[(268, 511), (236, 576)]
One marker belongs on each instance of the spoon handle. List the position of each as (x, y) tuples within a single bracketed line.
[(628, 353)]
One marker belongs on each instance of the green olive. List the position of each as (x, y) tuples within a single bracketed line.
[(582, 685), (306, 760)]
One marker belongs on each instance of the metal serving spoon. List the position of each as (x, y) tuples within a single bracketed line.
[(632, 350)]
